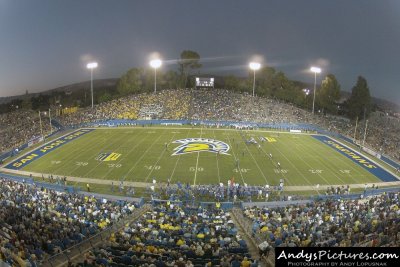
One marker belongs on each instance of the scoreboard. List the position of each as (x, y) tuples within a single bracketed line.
[(202, 82)]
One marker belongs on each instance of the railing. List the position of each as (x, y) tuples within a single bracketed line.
[(71, 253)]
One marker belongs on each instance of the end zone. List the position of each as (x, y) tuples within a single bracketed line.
[(357, 158), (44, 149)]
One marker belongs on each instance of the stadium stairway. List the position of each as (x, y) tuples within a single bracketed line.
[(244, 229), (75, 253), (57, 124)]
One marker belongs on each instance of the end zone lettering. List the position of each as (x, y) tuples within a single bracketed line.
[(52, 145), (24, 160), (76, 134), (351, 154), (42, 150), (362, 161)]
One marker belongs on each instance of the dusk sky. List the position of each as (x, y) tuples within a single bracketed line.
[(45, 44)]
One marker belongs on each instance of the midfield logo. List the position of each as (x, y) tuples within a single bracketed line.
[(192, 145)]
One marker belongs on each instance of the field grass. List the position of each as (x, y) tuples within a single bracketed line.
[(304, 161)]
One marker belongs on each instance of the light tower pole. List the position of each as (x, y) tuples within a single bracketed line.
[(315, 70), (254, 66), (155, 64), (91, 66)]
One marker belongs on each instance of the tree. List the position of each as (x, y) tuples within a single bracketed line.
[(189, 61), (131, 82), (170, 79), (41, 102), (264, 81), (329, 94), (148, 79), (232, 83), (359, 102), (105, 97)]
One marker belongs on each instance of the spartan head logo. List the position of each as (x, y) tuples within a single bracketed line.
[(192, 145)]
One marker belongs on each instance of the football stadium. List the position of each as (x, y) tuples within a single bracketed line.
[(193, 162), (227, 162)]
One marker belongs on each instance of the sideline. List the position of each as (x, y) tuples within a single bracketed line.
[(144, 185)]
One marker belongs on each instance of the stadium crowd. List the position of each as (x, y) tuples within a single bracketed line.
[(174, 235), (20, 126), (218, 192), (372, 222), (36, 223), (190, 104), (219, 105)]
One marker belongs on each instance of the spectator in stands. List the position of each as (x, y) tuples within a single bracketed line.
[(36, 222)]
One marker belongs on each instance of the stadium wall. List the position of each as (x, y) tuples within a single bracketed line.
[(56, 187)]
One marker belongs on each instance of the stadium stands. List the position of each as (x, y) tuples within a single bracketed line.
[(220, 105), (19, 127), (372, 221), (171, 235), (36, 222)]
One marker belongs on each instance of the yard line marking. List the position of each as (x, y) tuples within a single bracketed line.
[(348, 164), (111, 145), (217, 157), (306, 163), (72, 160), (234, 155), (294, 166), (129, 152), (65, 162), (136, 163), (197, 161), (159, 158), (275, 165), (195, 171), (326, 165), (177, 160), (258, 166)]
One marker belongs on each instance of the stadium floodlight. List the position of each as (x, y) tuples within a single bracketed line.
[(91, 66), (306, 91), (254, 66), (315, 70), (155, 64)]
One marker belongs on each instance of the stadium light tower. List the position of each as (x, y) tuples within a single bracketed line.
[(315, 70), (155, 64), (254, 66), (91, 66)]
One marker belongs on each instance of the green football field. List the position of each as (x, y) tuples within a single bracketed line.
[(145, 153)]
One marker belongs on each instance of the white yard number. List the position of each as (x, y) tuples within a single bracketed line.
[(55, 161), (315, 171), (345, 171), (241, 170), (152, 167), (280, 171), (114, 165), (193, 169), (81, 163)]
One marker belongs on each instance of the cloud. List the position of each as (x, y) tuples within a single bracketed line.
[(322, 63)]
